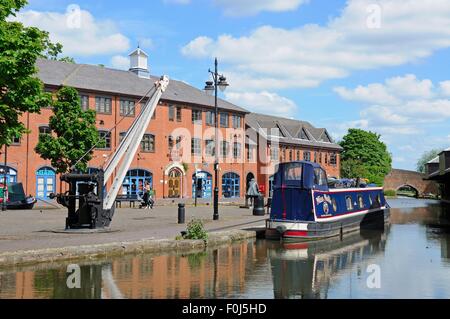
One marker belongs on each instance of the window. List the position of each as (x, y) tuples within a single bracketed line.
[(250, 150), (293, 172), (225, 149), (307, 156), (210, 118), (224, 120), (148, 143), (44, 130), (196, 146), (236, 121), (303, 135), (103, 104), (315, 157), (106, 137), (360, 201), (298, 155), (291, 156), (210, 147), (349, 202), (236, 150), (84, 102), (320, 178), (334, 203), (326, 158), (274, 153), (333, 159), (171, 112), (127, 108), (16, 140), (179, 108), (197, 116), (121, 136), (320, 157)]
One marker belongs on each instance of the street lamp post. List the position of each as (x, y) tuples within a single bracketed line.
[(4, 179), (219, 82)]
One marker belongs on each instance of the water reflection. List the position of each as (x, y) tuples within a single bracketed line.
[(413, 252), (306, 270)]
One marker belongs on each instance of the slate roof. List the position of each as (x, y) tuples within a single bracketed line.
[(107, 80), (291, 129)]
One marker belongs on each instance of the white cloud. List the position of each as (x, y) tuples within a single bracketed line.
[(307, 55), (445, 88), (78, 31), (120, 62), (252, 7), (263, 102)]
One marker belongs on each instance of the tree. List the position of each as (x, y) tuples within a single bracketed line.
[(364, 153), (20, 90), (73, 133), (426, 157)]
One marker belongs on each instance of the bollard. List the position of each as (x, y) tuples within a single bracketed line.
[(269, 205), (181, 213), (258, 206)]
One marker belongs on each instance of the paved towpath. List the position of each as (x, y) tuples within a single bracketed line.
[(41, 229)]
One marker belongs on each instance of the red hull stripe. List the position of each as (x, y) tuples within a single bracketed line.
[(297, 233)]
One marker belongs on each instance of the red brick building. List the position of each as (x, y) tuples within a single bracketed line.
[(179, 140)]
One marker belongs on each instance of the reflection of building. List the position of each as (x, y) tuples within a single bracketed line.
[(306, 270), (214, 274)]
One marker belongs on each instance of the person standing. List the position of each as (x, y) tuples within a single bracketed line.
[(253, 191)]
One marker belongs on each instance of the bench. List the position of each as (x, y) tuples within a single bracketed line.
[(132, 199)]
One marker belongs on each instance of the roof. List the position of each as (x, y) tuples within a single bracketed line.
[(434, 160), (102, 79), (291, 130)]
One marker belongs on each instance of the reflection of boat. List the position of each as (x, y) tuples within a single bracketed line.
[(304, 208), (305, 270)]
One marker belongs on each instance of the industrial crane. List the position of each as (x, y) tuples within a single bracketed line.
[(89, 202)]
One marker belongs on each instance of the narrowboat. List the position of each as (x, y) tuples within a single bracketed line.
[(305, 208)]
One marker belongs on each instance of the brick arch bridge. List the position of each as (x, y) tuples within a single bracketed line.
[(398, 178)]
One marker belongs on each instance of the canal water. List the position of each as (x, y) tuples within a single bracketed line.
[(410, 258)]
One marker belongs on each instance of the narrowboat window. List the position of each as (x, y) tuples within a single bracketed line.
[(349, 202), (360, 201), (370, 200), (320, 178), (378, 200), (333, 201), (293, 172)]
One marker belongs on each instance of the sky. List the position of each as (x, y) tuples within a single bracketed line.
[(378, 65)]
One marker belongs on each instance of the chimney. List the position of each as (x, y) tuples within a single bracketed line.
[(139, 63)]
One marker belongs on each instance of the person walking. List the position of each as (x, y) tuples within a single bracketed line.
[(253, 191)]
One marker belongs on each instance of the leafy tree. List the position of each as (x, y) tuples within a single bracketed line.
[(364, 155), (426, 157), (20, 90), (73, 133), (67, 59)]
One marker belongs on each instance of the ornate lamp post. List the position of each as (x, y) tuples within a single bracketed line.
[(219, 82)]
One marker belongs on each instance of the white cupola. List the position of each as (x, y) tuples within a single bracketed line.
[(139, 63)]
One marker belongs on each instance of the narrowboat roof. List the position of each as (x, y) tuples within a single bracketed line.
[(315, 165)]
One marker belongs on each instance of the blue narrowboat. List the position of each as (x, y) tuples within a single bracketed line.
[(305, 208)]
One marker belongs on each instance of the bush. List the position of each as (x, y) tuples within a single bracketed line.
[(195, 230), (390, 192)]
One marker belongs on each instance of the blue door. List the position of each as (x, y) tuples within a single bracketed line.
[(231, 185), (45, 182), (204, 185), (134, 182)]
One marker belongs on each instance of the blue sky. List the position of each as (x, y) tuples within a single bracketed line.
[(379, 65)]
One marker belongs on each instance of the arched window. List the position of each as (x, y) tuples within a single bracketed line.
[(11, 175), (231, 185), (135, 181), (349, 202), (360, 201)]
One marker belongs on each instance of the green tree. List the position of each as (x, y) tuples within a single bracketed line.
[(364, 155), (426, 157), (67, 59), (20, 90), (73, 133)]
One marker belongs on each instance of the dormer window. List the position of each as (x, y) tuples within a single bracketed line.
[(303, 134)]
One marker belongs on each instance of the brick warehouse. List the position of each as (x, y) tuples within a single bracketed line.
[(179, 140)]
